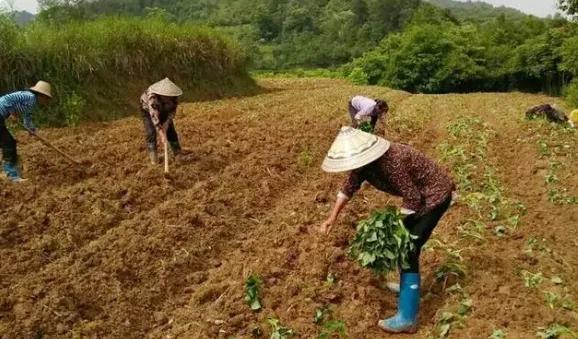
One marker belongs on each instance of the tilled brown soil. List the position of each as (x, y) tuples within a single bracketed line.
[(116, 250)]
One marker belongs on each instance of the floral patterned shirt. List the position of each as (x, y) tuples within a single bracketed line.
[(161, 108), (404, 171)]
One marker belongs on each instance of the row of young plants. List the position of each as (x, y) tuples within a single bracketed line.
[(329, 327), (554, 144), (488, 209)]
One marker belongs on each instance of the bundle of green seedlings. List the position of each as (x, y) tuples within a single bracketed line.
[(366, 127), (382, 242)]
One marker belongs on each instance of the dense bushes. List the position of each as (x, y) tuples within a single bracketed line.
[(436, 54), (103, 64)]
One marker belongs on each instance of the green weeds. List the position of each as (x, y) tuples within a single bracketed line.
[(252, 286)]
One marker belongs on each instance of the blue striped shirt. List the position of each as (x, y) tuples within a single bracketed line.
[(19, 102)]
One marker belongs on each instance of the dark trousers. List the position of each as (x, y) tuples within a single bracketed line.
[(8, 144), (422, 227), (151, 132)]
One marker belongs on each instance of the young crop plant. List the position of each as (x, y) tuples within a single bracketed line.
[(382, 242), (556, 331), (305, 157), (333, 329), (279, 331), (555, 300), (498, 334), (453, 264), (532, 280), (252, 287)]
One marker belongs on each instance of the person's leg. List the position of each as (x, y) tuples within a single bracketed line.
[(409, 298), (150, 136), (9, 152), (173, 138)]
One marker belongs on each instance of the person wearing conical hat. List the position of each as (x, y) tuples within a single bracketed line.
[(400, 170), (574, 118), (363, 109), (21, 104), (158, 108)]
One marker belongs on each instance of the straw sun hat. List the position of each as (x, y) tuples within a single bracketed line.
[(166, 88), (42, 87), (353, 149)]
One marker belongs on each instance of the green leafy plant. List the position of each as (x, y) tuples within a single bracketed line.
[(555, 331), (532, 280), (555, 300), (252, 286), (331, 279), (305, 157), (382, 242), (445, 323), (365, 126), (279, 331), (498, 334), (332, 328), (320, 314)]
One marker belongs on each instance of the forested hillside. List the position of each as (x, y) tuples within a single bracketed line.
[(422, 46)]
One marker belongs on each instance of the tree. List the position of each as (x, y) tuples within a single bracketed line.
[(569, 6)]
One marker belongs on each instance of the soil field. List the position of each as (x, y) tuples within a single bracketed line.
[(115, 250)]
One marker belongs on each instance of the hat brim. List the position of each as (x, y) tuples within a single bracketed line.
[(39, 91), (167, 93), (337, 164)]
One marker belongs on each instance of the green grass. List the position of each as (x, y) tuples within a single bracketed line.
[(99, 68)]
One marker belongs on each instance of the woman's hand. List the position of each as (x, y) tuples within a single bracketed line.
[(326, 227)]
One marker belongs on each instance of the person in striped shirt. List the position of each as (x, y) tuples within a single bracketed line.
[(19, 104)]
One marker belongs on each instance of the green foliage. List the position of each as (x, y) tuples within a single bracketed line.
[(97, 64), (305, 158), (571, 93), (438, 54), (555, 331), (73, 106), (532, 280), (569, 6), (358, 76), (279, 331), (320, 315), (382, 242), (366, 127), (332, 328), (252, 286), (498, 334)]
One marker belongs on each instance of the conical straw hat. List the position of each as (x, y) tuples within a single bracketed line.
[(353, 149), (574, 116), (166, 88), (42, 87)]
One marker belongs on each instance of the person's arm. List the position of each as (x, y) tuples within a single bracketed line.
[(26, 113), (373, 121), (351, 185), (340, 203)]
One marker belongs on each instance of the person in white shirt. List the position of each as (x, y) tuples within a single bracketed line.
[(363, 109)]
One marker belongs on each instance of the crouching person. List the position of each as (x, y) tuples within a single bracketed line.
[(362, 109), (158, 108), (19, 104), (400, 170)]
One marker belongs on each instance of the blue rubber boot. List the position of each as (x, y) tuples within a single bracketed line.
[(405, 321), (12, 172)]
